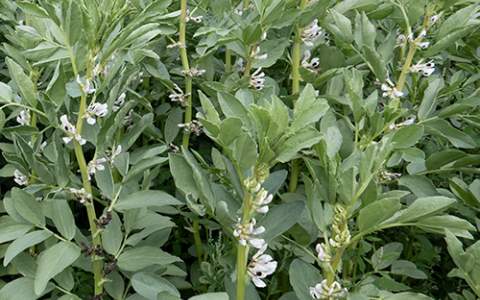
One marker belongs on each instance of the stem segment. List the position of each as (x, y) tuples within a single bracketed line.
[(96, 239), (296, 57), (186, 69), (197, 239), (242, 251)]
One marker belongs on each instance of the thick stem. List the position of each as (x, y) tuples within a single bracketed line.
[(406, 66), (296, 57), (197, 239), (96, 239), (242, 251), (228, 60), (186, 70)]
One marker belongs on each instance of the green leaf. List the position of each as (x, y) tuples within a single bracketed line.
[(457, 137), (23, 82), (386, 255), (421, 207), (149, 285), (437, 224), (377, 212), (24, 242), (146, 199), (280, 218), (52, 261), (63, 219), (375, 63), (138, 258), (421, 186), (33, 9), (308, 109), (304, 138), (10, 231), (407, 137), (211, 296), (302, 277), (28, 207), (20, 288), (112, 235), (5, 93), (407, 268), (430, 98)]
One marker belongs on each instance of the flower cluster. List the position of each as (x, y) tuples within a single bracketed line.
[(177, 95), (246, 233), (407, 122), (194, 72), (257, 79), (81, 195), (94, 110), (261, 265), (96, 165), (23, 117), (323, 290), (323, 253), (261, 200), (311, 33), (390, 91), (256, 54), (86, 85), (20, 178), (340, 232), (118, 103), (194, 127), (310, 64), (71, 131), (426, 69)]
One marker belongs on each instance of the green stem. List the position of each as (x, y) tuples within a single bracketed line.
[(197, 239), (296, 57), (242, 251), (91, 214), (186, 69), (246, 4), (228, 60)]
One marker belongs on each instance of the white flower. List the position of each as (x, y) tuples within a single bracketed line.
[(256, 54), (23, 117), (19, 178), (71, 131), (175, 45), (117, 104), (434, 19), (96, 165), (94, 110), (246, 233), (389, 176), (127, 120), (407, 122), (86, 85), (390, 91), (257, 79), (264, 36), (325, 291), (261, 266), (194, 72), (177, 95), (81, 195), (196, 19), (423, 45), (261, 201), (310, 64), (194, 127), (323, 253), (311, 33), (115, 153), (401, 39), (426, 69)]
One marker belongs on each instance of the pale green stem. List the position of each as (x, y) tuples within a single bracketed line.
[(197, 239), (296, 57), (186, 70), (242, 251)]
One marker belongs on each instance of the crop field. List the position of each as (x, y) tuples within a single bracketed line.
[(239, 149)]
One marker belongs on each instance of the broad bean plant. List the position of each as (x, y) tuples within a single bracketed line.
[(239, 149)]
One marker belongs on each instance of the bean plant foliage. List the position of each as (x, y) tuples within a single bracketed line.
[(227, 149)]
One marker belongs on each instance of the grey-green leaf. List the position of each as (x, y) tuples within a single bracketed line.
[(139, 258), (52, 261), (28, 207), (24, 242), (146, 199)]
